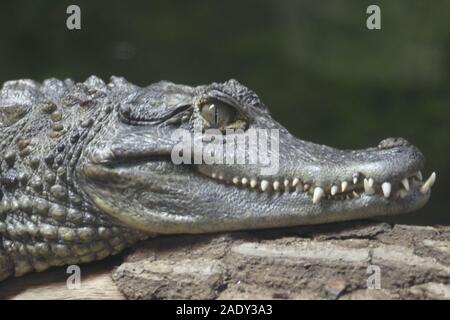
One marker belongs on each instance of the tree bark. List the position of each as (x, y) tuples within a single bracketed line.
[(354, 260)]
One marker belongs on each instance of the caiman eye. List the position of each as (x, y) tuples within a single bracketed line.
[(220, 115)]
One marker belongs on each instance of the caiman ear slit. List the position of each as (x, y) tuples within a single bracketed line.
[(138, 116)]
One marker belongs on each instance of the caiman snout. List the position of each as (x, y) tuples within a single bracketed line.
[(390, 170)]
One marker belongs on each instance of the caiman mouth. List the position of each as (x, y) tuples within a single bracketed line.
[(393, 189)]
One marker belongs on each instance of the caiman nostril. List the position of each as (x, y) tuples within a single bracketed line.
[(392, 142)]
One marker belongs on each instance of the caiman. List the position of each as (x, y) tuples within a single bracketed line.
[(87, 169)]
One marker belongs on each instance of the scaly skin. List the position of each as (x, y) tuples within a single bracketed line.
[(86, 170)]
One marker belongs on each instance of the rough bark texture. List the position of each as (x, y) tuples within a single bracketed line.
[(316, 262), (323, 262)]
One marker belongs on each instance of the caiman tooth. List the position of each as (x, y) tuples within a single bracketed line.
[(244, 181), (236, 180), (344, 185), (367, 188), (318, 194), (306, 187), (334, 190), (405, 184), (264, 185), (401, 193), (355, 178), (253, 183), (386, 187), (286, 184), (276, 185), (428, 184), (295, 182)]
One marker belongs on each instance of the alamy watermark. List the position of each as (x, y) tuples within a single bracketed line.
[(73, 21), (74, 280), (374, 280), (373, 21), (234, 146)]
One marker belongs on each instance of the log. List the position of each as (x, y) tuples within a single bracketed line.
[(353, 260)]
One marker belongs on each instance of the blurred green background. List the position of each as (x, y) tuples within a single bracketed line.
[(324, 75)]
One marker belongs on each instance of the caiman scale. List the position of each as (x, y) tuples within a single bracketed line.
[(86, 170)]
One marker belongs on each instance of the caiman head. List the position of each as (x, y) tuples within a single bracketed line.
[(132, 170)]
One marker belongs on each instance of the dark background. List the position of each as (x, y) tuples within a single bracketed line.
[(324, 75)]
